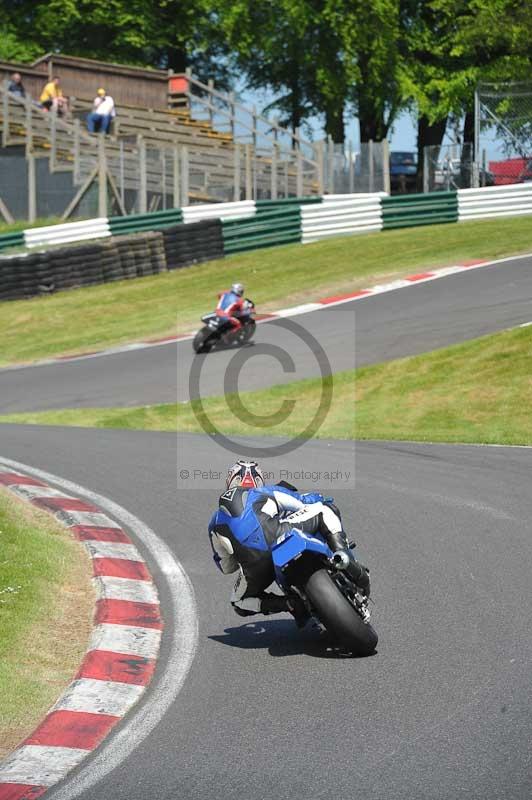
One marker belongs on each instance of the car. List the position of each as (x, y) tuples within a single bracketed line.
[(403, 171)]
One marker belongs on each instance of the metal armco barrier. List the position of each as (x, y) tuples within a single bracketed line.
[(136, 223), (495, 201), (409, 210), (145, 244), (239, 209), (11, 240), (341, 216), (69, 232), (267, 229)]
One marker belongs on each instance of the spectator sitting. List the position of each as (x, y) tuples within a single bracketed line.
[(102, 114), (15, 85), (52, 97)]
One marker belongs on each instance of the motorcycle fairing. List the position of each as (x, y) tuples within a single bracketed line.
[(293, 544)]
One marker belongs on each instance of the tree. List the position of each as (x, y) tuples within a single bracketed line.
[(167, 34)]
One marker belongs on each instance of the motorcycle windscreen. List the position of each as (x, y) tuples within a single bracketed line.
[(291, 545)]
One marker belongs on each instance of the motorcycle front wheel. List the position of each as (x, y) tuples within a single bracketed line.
[(203, 341), (340, 618)]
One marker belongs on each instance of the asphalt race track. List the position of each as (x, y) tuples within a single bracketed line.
[(441, 711), (267, 712), (404, 322)]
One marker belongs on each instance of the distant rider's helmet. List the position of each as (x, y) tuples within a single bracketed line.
[(238, 288), (245, 473)]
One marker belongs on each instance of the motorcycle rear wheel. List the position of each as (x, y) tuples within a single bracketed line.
[(203, 341), (335, 611)]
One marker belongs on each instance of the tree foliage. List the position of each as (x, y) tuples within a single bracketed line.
[(326, 58)]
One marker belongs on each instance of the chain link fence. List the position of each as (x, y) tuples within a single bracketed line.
[(503, 131)]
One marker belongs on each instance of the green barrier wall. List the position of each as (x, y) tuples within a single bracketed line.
[(137, 223), (269, 228), (12, 240), (405, 211)]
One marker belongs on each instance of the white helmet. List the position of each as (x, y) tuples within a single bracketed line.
[(238, 288), (245, 473)]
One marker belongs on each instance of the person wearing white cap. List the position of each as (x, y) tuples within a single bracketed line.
[(103, 112)]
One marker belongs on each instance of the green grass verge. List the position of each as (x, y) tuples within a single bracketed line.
[(479, 391), (89, 319), (46, 603), (22, 225)]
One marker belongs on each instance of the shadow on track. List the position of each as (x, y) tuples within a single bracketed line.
[(281, 638)]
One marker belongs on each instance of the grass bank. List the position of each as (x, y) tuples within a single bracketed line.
[(46, 604), (95, 317), (479, 391)]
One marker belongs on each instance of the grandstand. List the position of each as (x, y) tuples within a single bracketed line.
[(175, 140)]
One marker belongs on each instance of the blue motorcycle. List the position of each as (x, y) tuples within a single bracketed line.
[(304, 565)]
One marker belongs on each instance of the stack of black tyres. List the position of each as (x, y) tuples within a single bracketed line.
[(78, 265), (141, 254), (193, 242), (25, 275)]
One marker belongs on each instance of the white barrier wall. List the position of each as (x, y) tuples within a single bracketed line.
[(242, 208), (339, 215), (69, 232), (495, 201)]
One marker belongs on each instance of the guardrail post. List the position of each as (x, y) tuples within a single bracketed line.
[(476, 135), (299, 167), (249, 185), (236, 172), (53, 140), (184, 176), (232, 113), (102, 178), (143, 177), (32, 189), (122, 176), (371, 167), (385, 154), (29, 127), (176, 177), (210, 84), (273, 191), (5, 115), (330, 165), (320, 162), (77, 133), (426, 187), (351, 168)]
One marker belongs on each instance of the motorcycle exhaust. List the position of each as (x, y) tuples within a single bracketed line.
[(341, 560)]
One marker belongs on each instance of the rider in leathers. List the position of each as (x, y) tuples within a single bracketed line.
[(247, 506)]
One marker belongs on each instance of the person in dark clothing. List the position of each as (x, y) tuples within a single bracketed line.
[(249, 507), (15, 85)]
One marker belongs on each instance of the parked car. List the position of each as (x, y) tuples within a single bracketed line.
[(403, 171), (511, 170)]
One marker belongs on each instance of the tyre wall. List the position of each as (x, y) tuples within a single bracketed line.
[(117, 258)]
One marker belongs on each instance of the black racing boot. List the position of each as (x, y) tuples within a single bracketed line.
[(344, 559), (273, 603)]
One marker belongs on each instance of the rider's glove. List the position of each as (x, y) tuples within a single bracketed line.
[(312, 497)]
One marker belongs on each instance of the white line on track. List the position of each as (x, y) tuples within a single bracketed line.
[(183, 630)]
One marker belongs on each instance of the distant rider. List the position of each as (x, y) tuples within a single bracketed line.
[(247, 506), (231, 304)]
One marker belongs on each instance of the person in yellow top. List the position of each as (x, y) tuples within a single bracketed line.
[(52, 97)]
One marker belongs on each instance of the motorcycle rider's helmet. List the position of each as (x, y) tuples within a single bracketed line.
[(245, 473), (238, 288)]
